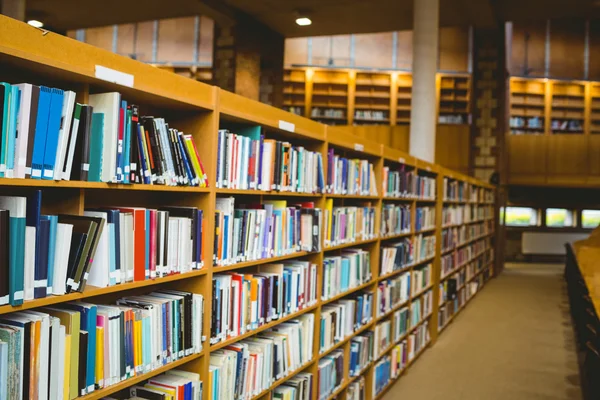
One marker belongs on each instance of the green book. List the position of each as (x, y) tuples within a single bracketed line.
[(96, 147)]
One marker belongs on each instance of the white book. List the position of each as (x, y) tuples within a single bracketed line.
[(23, 125), (63, 133), (71, 145), (60, 373), (29, 271), (57, 360), (99, 273), (108, 104), (64, 233)]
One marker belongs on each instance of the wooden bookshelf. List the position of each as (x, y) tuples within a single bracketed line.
[(294, 91), (454, 93), (403, 98), (329, 102), (28, 55), (527, 106), (594, 108), (372, 99), (567, 111)]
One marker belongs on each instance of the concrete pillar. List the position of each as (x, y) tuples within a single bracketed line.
[(425, 60), (14, 9)]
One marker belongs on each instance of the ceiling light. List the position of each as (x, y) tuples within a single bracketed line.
[(35, 23), (303, 21)]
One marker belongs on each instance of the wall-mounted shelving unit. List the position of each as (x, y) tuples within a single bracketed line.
[(454, 99)]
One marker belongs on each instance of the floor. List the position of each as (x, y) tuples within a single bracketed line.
[(513, 341)]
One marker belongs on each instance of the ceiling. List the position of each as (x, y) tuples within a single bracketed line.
[(328, 16)]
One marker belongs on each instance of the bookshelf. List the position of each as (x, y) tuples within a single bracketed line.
[(454, 99), (527, 106), (372, 99), (329, 103), (294, 91), (594, 108), (567, 108), (404, 96), (200, 109)]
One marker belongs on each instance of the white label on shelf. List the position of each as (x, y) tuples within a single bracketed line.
[(287, 126), (359, 147), (114, 76), (402, 160), (428, 168)]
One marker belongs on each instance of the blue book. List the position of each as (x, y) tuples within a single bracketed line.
[(53, 219), (127, 145), (5, 93), (41, 131), (119, 166), (17, 207), (54, 122), (33, 215), (15, 104), (186, 162), (96, 147), (225, 236)]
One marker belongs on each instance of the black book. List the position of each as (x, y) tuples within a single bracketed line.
[(277, 167), (177, 160), (145, 393), (451, 291), (213, 323), (83, 354), (4, 255), (135, 167), (82, 153), (186, 314), (156, 167), (42, 256), (75, 253), (35, 99), (217, 237)]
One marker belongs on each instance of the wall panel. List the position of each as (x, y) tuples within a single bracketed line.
[(528, 48), (374, 50), (454, 49), (176, 39), (567, 38)]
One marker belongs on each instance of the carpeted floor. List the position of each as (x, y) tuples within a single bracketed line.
[(513, 341)]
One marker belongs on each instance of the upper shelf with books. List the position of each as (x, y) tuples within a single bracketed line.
[(37, 55)]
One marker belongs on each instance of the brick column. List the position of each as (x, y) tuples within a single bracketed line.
[(248, 60), (489, 93)]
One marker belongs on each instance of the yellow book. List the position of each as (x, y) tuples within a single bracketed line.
[(100, 356), (328, 219), (170, 392), (194, 160), (67, 384), (138, 343)]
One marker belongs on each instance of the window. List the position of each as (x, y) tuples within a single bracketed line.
[(590, 219), (559, 218), (521, 216)]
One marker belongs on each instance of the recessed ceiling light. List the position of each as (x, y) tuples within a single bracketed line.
[(303, 21), (35, 23)]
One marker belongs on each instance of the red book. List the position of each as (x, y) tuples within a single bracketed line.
[(139, 242)]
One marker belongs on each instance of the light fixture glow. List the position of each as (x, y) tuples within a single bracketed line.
[(35, 23), (303, 21)]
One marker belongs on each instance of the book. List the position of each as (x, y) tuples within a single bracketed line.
[(341, 318), (350, 176), (345, 272), (361, 352), (395, 219), (406, 182), (393, 292), (331, 373), (16, 206), (350, 224)]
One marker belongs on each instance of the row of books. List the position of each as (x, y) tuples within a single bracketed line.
[(297, 388), (243, 302), (348, 224), (331, 373), (361, 352), (461, 214), (421, 279), (103, 247), (401, 323), (340, 319), (381, 375), (408, 183), (350, 176), (450, 238), (396, 256), (424, 247), (264, 230), (395, 219), (342, 273), (246, 368), (459, 191), (248, 161), (424, 218), (450, 287), (392, 292), (356, 390), (173, 384), (421, 308), (475, 266), (447, 264), (48, 135), (73, 349), (382, 336)]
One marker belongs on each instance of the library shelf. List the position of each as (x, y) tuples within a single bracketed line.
[(107, 391), (424, 319), (390, 347), (348, 292), (392, 310), (252, 263), (427, 230), (352, 196), (227, 342), (92, 291), (284, 379), (351, 244), (201, 110), (422, 291)]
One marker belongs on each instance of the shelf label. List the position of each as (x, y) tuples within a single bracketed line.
[(402, 160), (114, 76), (428, 168), (287, 126), (359, 147)]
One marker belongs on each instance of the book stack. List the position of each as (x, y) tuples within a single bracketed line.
[(248, 161), (249, 367), (350, 176), (399, 359), (424, 247), (392, 292), (348, 224), (296, 388), (105, 140), (408, 184), (103, 247), (395, 219), (356, 390), (421, 278), (381, 374), (342, 318), (453, 215), (342, 273), (383, 337), (425, 219), (73, 349), (171, 385), (397, 256), (245, 302), (401, 323), (264, 230), (331, 373), (361, 352)]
